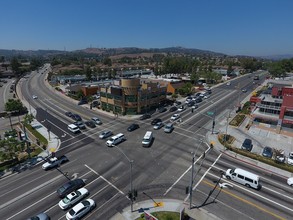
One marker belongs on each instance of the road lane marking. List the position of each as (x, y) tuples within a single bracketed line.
[(168, 190), (251, 203), (104, 179), (29, 192)]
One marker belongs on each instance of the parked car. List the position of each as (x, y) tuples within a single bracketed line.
[(280, 158), (80, 124), (175, 117), (90, 124), (247, 144), (81, 209), (156, 120), (73, 197), (76, 117), (267, 152), (290, 158), (290, 181), (41, 216), (54, 162), (133, 127), (162, 109), (105, 134), (177, 103), (69, 114), (145, 116), (194, 106), (158, 125), (82, 102), (97, 121), (228, 83), (191, 103), (69, 187), (173, 109)]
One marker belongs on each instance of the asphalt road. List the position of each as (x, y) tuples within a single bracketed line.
[(161, 171)]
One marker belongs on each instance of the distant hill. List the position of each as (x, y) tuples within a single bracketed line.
[(109, 52), (278, 57)]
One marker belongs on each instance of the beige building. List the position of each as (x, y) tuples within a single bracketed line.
[(131, 96)]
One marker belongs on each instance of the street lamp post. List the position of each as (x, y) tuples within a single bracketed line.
[(131, 185)]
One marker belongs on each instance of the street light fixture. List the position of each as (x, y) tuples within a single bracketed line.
[(131, 193)]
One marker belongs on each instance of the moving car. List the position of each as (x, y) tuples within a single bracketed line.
[(54, 162), (145, 116), (158, 125), (290, 181), (69, 187), (133, 127), (244, 90), (41, 216), (267, 152), (228, 83), (247, 144), (90, 124), (175, 117), (243, 177), (173, 109), (69, 114), (79, 124), (290, 158), (168, 128), (35, 97), (105, 134), (181, 108), (117, 139), (156, 120), (81, 209), (73, 198), (76, 117), (97, 120)]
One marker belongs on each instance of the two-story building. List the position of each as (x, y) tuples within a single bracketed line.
[(131, 96)]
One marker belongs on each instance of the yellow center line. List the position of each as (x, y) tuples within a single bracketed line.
[(246, 201)]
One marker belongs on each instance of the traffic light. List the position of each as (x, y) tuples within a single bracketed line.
[(212, 144), (187, 190)]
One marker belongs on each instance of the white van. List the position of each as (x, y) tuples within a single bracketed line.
[(73, 128), (115, 140), (147, 139), (243, 177)]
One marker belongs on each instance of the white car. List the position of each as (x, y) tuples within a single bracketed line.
[(73, 198), (35, 97), (181, 108), (290, 158), (175, 117), (97, 120), (158, 125), (105, 134), (54, 162), (81, 209), (228, 83), (290, 181)]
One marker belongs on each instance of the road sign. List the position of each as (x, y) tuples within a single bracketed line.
[(210, 113)]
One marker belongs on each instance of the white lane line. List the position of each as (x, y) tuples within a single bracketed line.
[(105, 179), (168, 190), (29, 192)]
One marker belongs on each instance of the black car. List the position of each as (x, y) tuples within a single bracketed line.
[(133, 127), (70, 187), (82, 102), (178, 103), (198, 99), (192, 103), (162, 109), (76, 117), (90, 124), (69, 114), (145, 116), (173, 109), (267, 152), (156, 120), (247, 144)]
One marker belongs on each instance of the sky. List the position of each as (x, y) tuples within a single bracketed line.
[(233, 27)]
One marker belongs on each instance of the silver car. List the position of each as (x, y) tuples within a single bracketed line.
[(105, 134)]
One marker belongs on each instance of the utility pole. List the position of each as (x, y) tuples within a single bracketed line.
[(191, 182)]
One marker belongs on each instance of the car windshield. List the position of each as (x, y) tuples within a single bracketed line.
[(85, 203), (66, 200), (72, 212)]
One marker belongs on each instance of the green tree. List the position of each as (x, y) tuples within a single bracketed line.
[(28, 118), (15, 65), (14, 105), (277, 70), (88, 73), (107, 61)]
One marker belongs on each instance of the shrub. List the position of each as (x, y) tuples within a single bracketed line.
[(237, 120)]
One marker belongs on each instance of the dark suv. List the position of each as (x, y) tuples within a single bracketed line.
[(247, 144), (69, 187)]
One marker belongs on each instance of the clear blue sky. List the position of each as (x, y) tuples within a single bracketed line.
[(244, 27)]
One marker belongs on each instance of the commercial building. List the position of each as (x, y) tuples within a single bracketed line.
[(274, 109), (131, 96)]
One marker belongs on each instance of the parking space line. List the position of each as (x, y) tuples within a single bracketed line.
[(104, 179)]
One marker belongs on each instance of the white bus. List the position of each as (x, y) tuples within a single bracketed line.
[(244, 177)]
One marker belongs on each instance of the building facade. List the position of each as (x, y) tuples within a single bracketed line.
[(130, 96), (275, 109)]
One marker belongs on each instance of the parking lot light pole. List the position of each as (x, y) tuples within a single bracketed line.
[(131, 185)]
